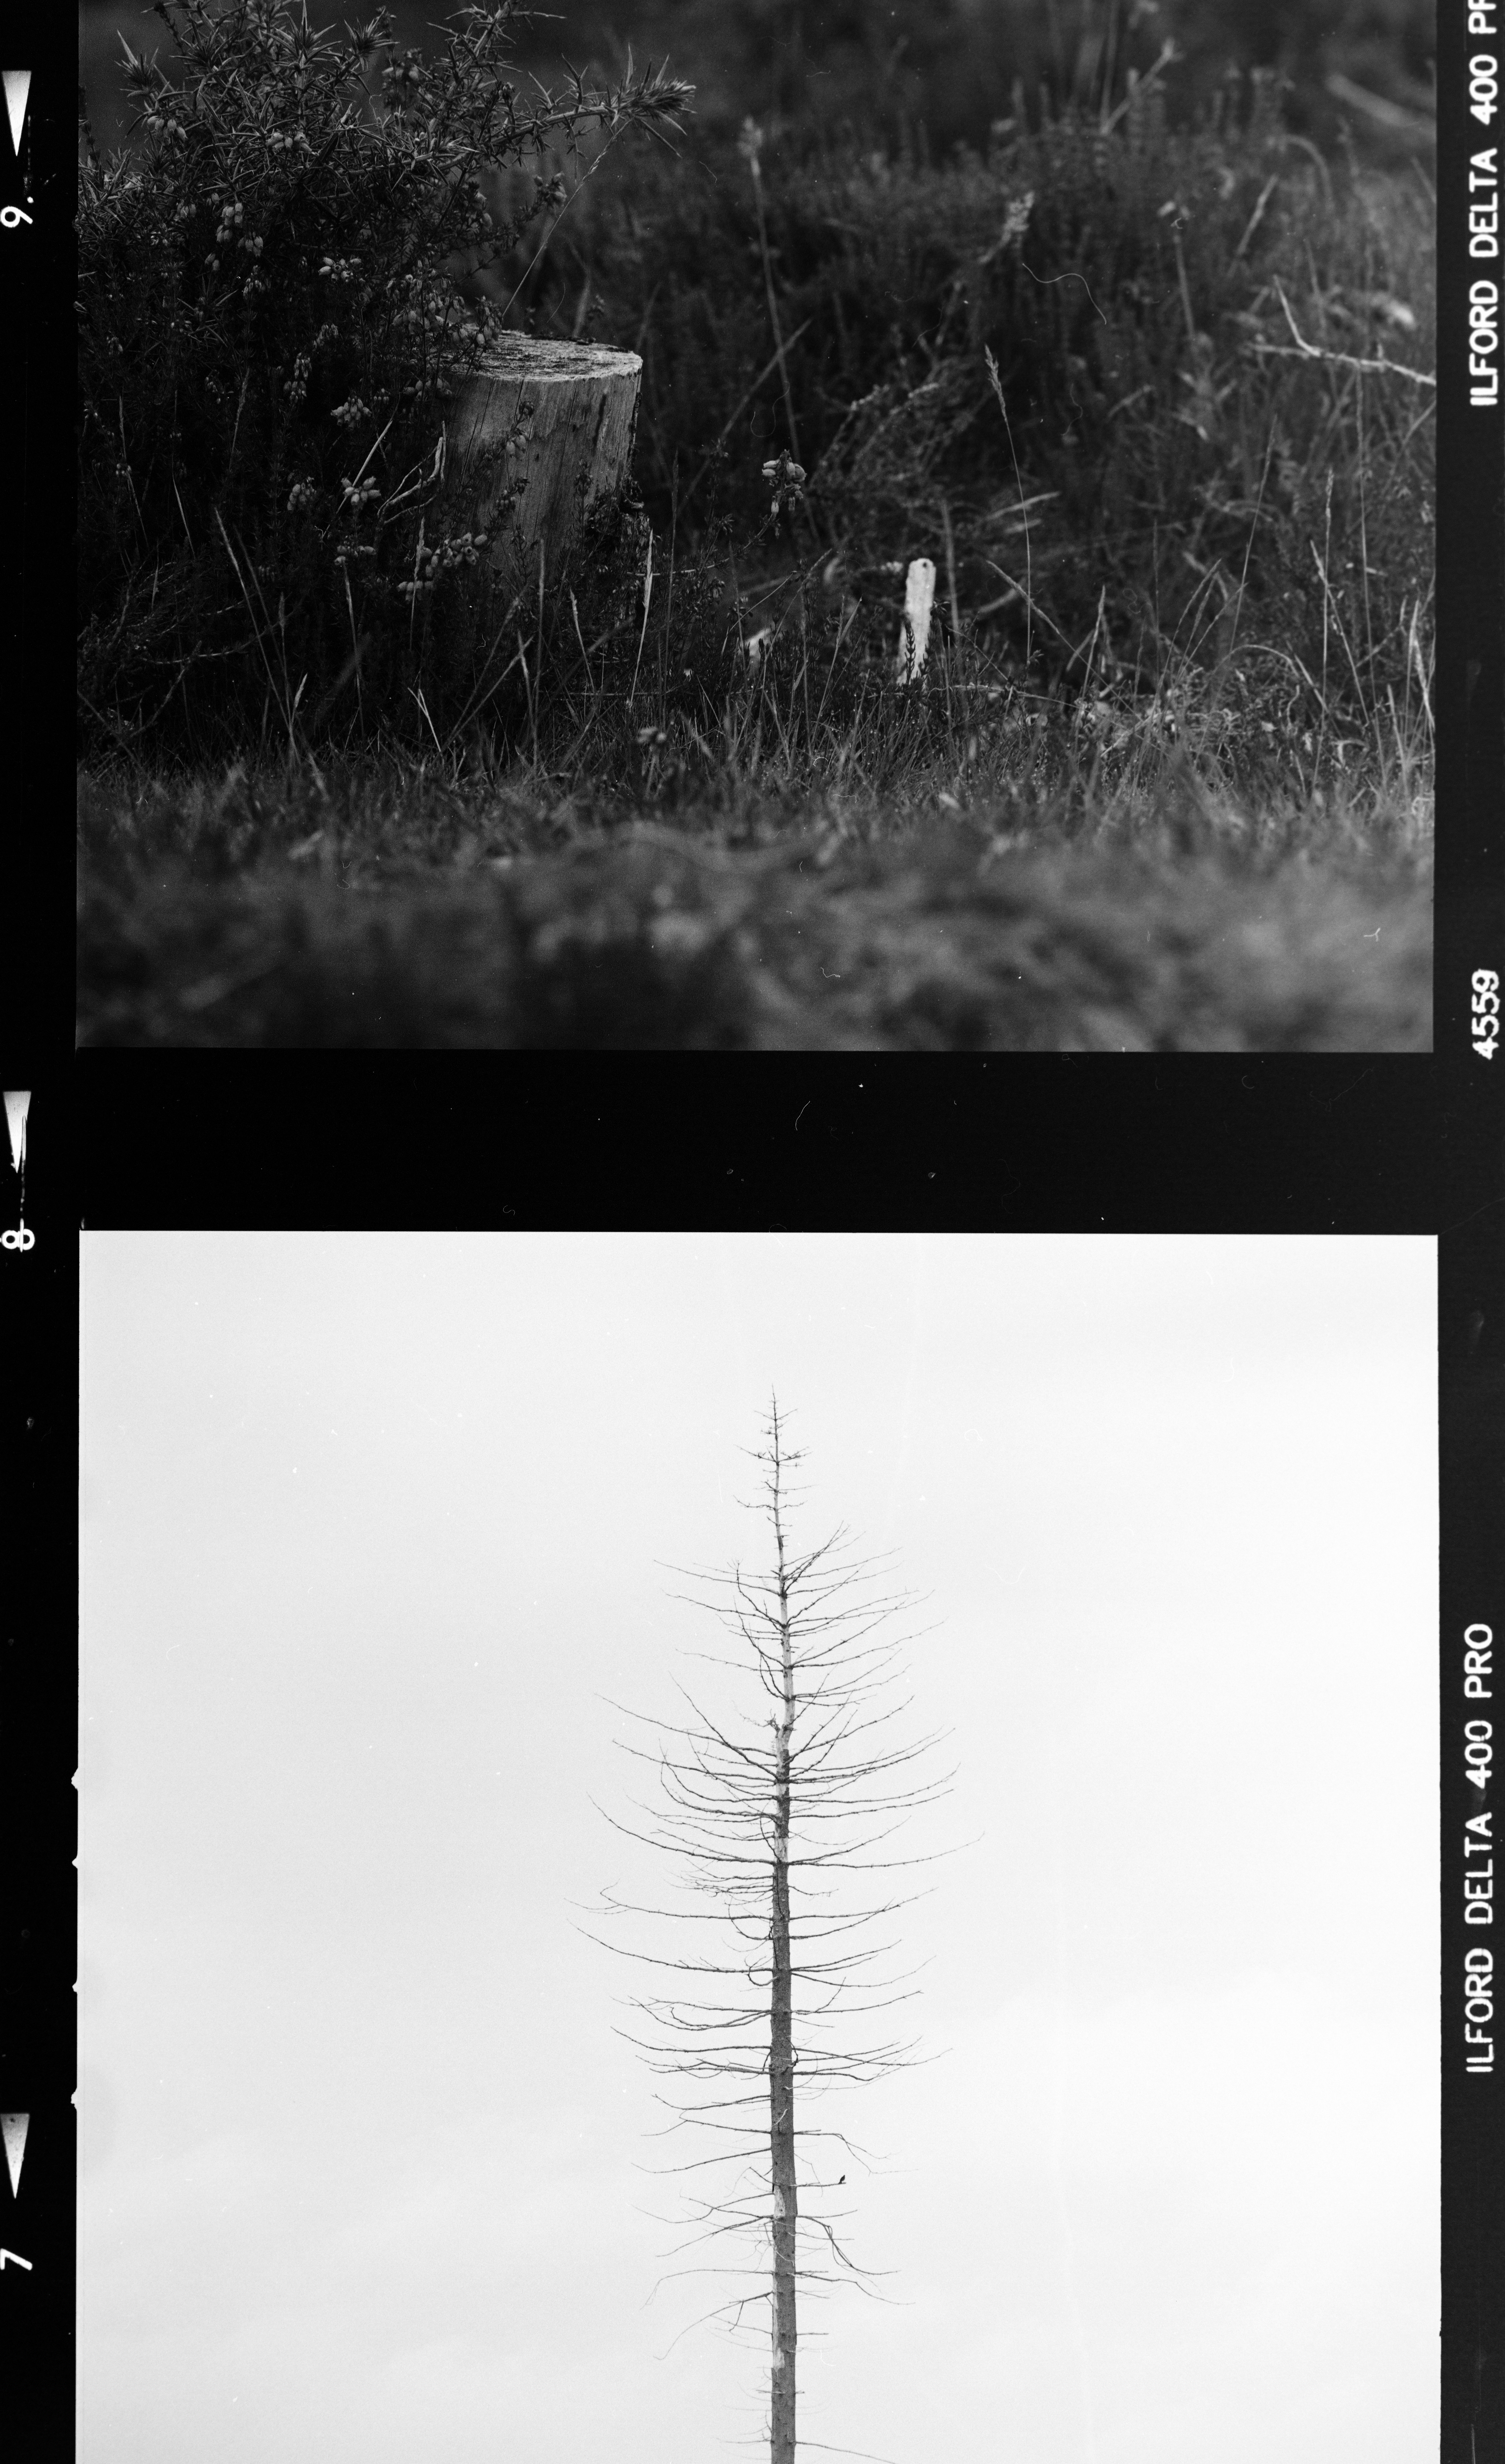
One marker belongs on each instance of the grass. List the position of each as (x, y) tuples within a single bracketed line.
[(861, 894), (1156, 402)]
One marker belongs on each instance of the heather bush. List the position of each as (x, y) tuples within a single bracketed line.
[(271, 325)]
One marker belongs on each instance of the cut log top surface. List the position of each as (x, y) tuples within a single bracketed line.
[(518, 355)]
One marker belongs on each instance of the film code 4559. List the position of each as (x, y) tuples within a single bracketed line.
[(1486, 1012)]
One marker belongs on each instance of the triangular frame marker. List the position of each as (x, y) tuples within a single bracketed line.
[(13, 2125), (16, 1111), (17, 86)]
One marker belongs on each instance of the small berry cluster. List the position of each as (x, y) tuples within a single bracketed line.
[(443, 557), (788, 479)]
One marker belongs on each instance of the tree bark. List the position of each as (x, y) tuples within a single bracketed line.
[(541, 438)]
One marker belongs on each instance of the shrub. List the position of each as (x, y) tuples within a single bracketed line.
[(269, 323)]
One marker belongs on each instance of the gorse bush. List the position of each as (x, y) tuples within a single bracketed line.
[(269, 327)]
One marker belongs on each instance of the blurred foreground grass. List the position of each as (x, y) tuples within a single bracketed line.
[(403, 911)]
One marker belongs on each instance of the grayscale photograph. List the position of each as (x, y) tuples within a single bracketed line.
[(814, 525), (758, 1845)]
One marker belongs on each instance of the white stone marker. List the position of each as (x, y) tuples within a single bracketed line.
[(919, 598)]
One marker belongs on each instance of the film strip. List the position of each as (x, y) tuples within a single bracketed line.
[(850, 1145)]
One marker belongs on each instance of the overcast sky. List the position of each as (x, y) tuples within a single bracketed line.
[(372, 1524)]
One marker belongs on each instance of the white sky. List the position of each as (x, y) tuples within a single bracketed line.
[(372, 1523)]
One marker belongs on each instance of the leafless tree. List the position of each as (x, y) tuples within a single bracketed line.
[(775, 1982)]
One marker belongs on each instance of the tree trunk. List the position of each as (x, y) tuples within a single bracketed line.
[(781, 2058), (541, 438)]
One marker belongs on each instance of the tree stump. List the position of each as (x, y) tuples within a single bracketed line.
[(540, 440)]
